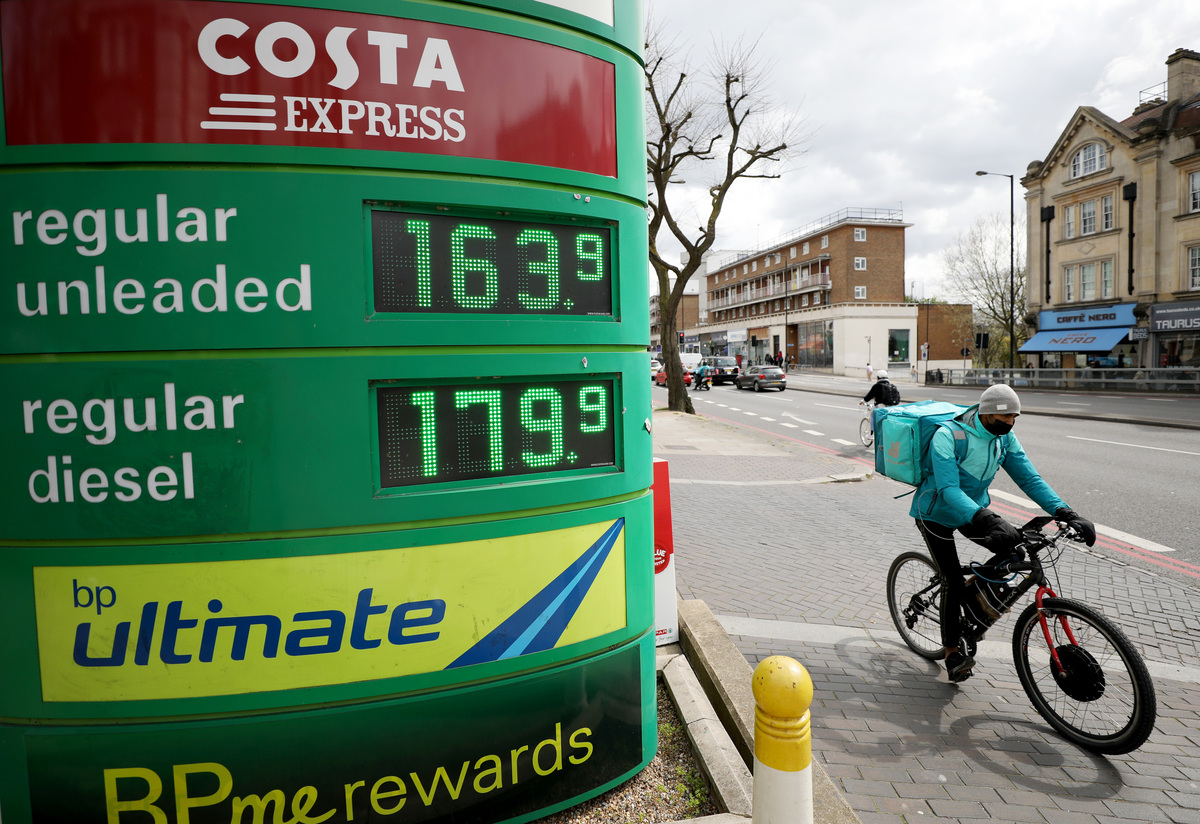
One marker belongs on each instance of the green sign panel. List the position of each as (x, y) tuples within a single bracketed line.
[(323, 395)]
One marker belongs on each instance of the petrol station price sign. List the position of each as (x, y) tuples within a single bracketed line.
[(486, 265), (433, 434)]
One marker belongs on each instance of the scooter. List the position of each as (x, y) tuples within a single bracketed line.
[(699, 383)]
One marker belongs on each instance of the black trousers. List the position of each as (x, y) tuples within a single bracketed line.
[(940, 540)]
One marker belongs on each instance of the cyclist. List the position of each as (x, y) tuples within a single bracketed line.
[(955, 497), (882, 393)]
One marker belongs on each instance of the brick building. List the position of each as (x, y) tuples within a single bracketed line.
[(1114, 234), (687, 315), (829, 295)]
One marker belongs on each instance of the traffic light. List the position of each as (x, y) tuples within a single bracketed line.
[(981, 340), (681, 339)]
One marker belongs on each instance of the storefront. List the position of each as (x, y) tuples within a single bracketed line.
[(1176, 330), (1070, 338)]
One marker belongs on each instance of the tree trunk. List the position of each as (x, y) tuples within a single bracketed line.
[(678, 399)]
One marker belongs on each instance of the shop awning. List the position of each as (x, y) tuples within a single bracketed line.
[(1076, 340)]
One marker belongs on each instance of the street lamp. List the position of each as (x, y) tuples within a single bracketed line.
[(1012, 253)]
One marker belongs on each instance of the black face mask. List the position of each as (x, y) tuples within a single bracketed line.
[(998, 427)]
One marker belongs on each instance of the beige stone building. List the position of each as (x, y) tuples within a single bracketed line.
[(1114, 234)]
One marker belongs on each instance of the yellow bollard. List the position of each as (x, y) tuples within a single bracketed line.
[(783, 693)]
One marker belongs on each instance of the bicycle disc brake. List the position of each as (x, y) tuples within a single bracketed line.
[(1081, 677)]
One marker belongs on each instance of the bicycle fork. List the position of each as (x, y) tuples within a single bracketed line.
[(1043, 590)]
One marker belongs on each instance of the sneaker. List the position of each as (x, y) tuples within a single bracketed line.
[(958, 666)]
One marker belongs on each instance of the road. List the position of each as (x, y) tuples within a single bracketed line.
[(1136, 482)]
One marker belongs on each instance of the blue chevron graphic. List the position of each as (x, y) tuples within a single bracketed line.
[(541, 621)]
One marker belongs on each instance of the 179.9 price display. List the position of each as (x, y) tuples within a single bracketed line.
[(440, 263), (443, 433)]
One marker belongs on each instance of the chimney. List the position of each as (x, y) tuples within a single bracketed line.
[(1183, 75)]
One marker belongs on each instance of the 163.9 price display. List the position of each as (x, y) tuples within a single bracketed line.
[(442, 433), (439, 263)]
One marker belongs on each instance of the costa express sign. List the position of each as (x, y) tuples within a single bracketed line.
[(199, 72)]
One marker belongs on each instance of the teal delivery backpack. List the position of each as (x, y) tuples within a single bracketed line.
[(902, 436)]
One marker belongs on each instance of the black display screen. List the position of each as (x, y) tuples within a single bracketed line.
[(437, 263), (445, 433)]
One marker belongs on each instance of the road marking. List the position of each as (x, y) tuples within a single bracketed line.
[(799, 420), (788, 425), (834, 406), (772, 420), (843, 443), (814, 432), (1134, 445), (878, 636), (1071, 403), (723, 405), (733, 409), (1101, 529), (751, 414)]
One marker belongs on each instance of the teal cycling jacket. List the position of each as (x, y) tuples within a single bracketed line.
[(954, 492)]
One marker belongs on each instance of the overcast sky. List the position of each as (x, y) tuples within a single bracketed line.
[(905, 101)]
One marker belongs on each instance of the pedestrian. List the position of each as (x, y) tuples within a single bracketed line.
[(870, 371), (955, 497), (912, 372)]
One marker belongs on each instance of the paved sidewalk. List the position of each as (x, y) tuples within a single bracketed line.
[(793, 563)]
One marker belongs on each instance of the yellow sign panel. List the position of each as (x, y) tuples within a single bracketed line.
[(124, 633)]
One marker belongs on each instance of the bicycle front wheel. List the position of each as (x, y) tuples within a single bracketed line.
[(1104, 699), (915, 599), (865, 434)]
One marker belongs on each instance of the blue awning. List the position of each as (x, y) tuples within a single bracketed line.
[(1076, 340)]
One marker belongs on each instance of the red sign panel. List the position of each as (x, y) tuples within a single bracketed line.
[(201, 72)]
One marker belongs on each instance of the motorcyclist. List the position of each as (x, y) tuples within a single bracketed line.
[(699, 375), (955, 497)]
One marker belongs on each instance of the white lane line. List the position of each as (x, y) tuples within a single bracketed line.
[(788, 425), (1107, 531), (799, 420), (843, 443), (723, 405), (1070, 403), (834, 406), (772, 420), (1134, 445), (814, 432), (751, 414)]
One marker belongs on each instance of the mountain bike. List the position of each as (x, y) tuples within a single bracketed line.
[(1080, 671), (865, 433)]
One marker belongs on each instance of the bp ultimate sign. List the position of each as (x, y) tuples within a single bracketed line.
[(326, 491)]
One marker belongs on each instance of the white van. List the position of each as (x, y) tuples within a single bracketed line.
[(690, 360)]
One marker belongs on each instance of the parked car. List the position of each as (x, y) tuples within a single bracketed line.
[(661, 377), (655, 367), (722, 368), (762, 377)]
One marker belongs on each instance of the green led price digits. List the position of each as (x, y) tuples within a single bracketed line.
[(441, 434), (445, 264)]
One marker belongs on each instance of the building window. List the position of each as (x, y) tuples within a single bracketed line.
[(860, 234), (1069, 222), (1194, 189), (1087, 281), (816, 298), (1106, 213), (1106, 278), (1087, 217), (754, 266), (804, 299), (1091, 158), (860, 293), (793, 251), (1194, 267), (824, 241), (745, 268), (860, 264), (806, 248), (1069, 284)]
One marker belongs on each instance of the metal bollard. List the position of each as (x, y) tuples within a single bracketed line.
[(783, 791)]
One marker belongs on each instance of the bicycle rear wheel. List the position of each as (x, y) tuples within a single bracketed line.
[(865, 434), (1105, 700), (915, 598)]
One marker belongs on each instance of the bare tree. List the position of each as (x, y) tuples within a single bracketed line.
[(977, 271), (721, 126)]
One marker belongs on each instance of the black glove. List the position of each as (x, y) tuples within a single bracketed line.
[(998, 534), (1087, 530)]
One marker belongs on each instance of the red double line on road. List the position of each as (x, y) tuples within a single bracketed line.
[(1114, 545)]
